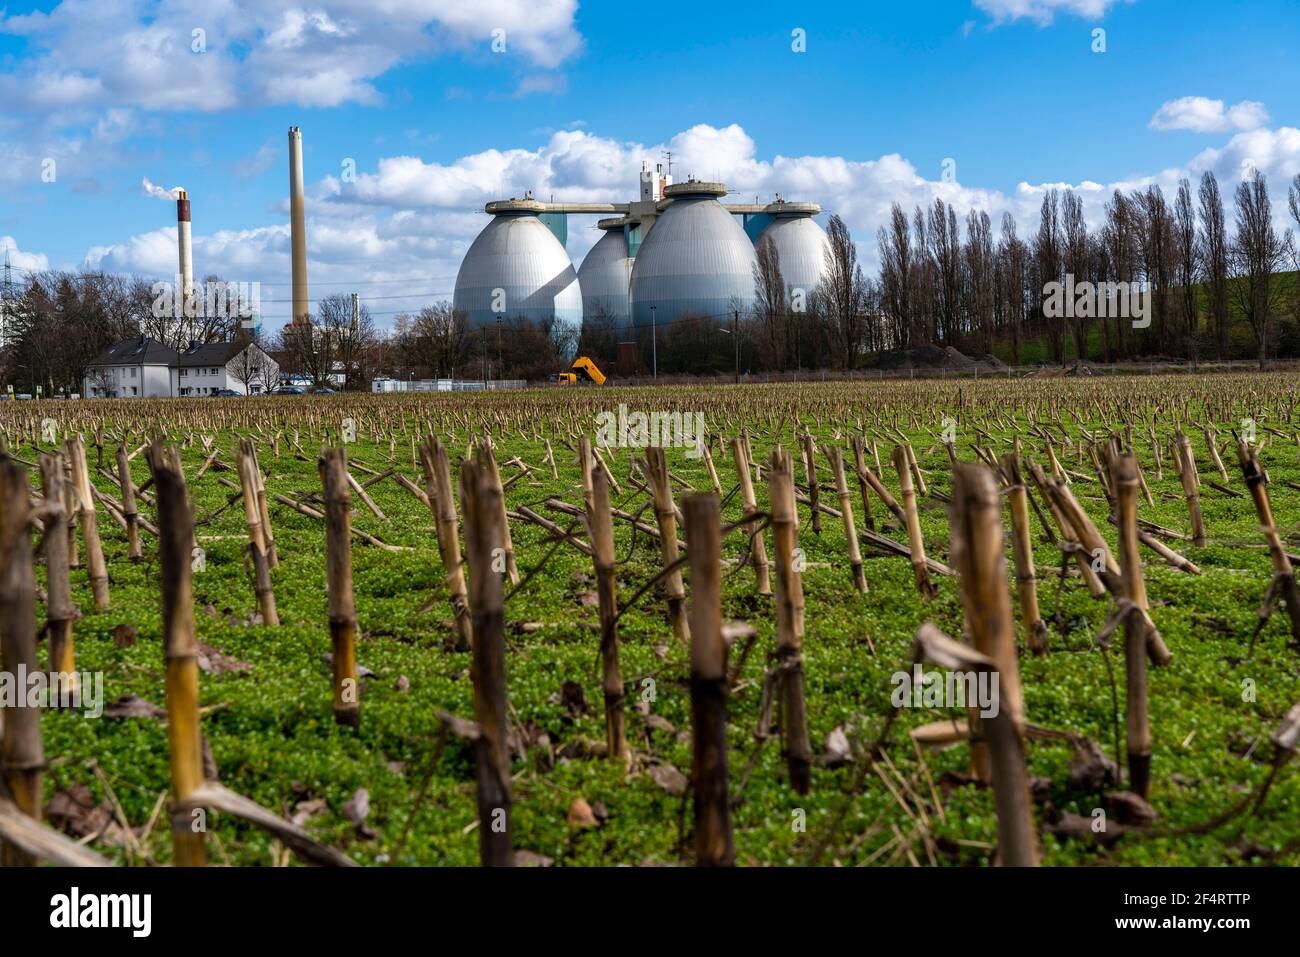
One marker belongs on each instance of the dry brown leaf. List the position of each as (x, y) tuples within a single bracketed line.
[(133, 706), (669, 778)]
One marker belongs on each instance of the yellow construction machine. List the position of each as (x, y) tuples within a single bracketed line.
[(584, 370)]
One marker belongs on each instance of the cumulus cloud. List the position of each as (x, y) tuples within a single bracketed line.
[(1201, 114), (399, 232), (1043, 12), (19, 260), (196, 56)]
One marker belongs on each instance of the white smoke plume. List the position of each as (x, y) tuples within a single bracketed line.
[(159, 193)]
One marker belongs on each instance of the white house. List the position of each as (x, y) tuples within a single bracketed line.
[(141, 367), (242, 367)]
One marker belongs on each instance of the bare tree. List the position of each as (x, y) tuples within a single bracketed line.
[(1156, 240), (309, 351), (1258, 253), (1013, 274), (1213, 247), (353, 338), (923, 295), (1101, 270), (599, 337), (1187, 269), (100, 383), (251, 366), (1120, 238), (944, 249), (840, 295), (980, 272), (1048, 260), (1074, 242), (1293, 202), (442, 338), (896, 279), (770, 311)]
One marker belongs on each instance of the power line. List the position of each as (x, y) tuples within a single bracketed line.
[(316, 282), (409, 295)]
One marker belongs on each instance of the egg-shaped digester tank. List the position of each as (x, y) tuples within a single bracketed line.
[(606, 277), (696, 260), (517, 268), (801, 247)]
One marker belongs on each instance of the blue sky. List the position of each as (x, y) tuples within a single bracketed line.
[(437, 122)]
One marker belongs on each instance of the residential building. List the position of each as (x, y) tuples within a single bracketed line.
[(242, 367), (141, 367)]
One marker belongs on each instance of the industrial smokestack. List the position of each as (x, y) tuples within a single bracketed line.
[(187, 309), (297, 228)]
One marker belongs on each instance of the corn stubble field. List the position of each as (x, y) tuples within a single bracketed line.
[(586, 755)]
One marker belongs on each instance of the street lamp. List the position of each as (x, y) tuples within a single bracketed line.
[(654, 342), (734, 332)]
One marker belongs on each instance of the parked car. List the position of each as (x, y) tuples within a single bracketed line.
[(289, 390), (223, 393), (324, 390)]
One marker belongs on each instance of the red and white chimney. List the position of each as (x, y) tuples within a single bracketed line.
[(186, 290)]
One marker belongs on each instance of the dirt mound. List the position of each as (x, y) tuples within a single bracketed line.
[(1080, 367), (930, 358), (924, 357)]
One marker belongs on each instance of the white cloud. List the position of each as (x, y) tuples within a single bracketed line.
[(200, 56), (542, 83), (267, 155), (1200, 114), (1275, 153), (27, 147), (1044, 12), (19, 260), (399, 232)]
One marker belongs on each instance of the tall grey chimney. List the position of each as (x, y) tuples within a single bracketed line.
[(297, 229)]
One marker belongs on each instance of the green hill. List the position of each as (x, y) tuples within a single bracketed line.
[(1241, 342)]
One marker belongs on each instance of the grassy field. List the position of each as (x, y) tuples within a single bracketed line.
[(266, 697)]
